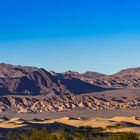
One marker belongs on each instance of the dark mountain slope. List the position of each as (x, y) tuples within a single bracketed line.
[(129, 78), (19, 80)]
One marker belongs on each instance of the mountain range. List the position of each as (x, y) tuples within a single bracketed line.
[(31, 89)]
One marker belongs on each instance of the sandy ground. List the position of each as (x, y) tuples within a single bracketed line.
[(75, 113), (77, 122)]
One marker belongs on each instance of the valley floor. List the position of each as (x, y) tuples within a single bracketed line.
[(77, 113)]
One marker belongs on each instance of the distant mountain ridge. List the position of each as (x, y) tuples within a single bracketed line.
[(26, 80), (128, 78), (21, 80), (31, 89), (32, 80)]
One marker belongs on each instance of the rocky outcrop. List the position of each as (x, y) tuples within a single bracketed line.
[(65, 103)]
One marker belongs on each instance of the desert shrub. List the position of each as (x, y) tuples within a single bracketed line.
[(123, 136), (82, 133), (77, 136), (12, 136)]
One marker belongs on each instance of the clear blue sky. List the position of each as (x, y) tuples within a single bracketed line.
[(78, 35)]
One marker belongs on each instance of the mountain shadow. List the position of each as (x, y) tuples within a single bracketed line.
[(78, 86)]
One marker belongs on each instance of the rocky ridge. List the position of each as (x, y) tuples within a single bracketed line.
[(129, 78), (66, 103)]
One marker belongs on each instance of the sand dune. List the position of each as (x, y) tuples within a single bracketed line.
[(77, 122)]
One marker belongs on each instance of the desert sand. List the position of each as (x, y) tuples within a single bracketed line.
[(131, 123)]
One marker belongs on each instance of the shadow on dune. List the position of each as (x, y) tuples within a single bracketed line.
[(50, 127), (28, 129)]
